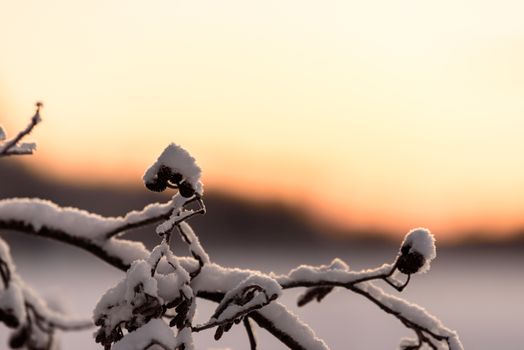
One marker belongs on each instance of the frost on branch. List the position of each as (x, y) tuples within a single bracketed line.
[(153, 306)]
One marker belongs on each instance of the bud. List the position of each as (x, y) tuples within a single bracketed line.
[(416, 252), (410, 262), (156, 185), (164, 173), (18, 338), (176, 178), (186, 190), (9, 319)]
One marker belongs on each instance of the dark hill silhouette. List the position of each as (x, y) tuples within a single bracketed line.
[(230, 221)]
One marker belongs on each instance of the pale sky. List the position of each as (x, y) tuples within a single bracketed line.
[(374, 114)]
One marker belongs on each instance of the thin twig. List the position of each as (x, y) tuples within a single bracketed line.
[(5, 150), (137, 224), (250, 333), (403, 319), (5, 272)]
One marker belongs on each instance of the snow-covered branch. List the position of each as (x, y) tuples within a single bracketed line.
[(155, 302)]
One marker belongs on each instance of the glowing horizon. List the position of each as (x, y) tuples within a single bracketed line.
[(373, 114)]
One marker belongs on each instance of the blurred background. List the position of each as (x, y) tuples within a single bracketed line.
[(323, 130)]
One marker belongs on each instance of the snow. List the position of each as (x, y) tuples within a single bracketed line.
[(125, 250), (23, 148), (118, 304), (336, 273), (139, 296), (194, 243), (12, 302), (407, 342), (5, 255), (289, 323), (155, 331), (214, 277), (421, 240), (41, 213), (271, 288), (179, 161), (185, 336), (412, 312), (168, 286), (229, 309), (140, 274)]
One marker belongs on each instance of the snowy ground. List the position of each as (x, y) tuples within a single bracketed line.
[(478, 294)]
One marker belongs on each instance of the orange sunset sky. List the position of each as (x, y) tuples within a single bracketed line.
[(374, 114)]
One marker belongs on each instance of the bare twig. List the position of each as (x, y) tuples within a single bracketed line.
[(9, 147), (250, 333), (5, 273)]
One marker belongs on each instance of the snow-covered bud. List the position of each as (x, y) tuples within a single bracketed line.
[(158, 182), (177, 166), (416, 252)]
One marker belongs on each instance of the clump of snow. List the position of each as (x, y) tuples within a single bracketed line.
[(142, 295), (179, 161), (155, 332), (118, 304), (420, 241), (255, 291), (125, 250)]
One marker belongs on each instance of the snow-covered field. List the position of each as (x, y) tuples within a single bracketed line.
[(478, 294)]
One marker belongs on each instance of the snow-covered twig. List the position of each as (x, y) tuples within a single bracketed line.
[(12, 147), (253, 293), (412, 316)]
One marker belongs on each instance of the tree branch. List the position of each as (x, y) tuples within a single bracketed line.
[(108, 249)]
